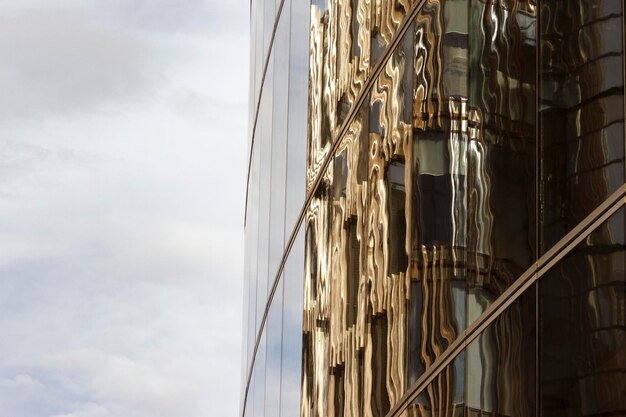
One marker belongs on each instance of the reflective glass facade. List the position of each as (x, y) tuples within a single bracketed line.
[(435, 214), (274, 244)]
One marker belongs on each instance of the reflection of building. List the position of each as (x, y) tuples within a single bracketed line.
[(441, 230)]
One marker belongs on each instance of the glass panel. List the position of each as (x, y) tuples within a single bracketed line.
[(494, 376), (315, 329), (259, 380), (246, 312), (436, 312), (260, 51), (252, 71), (264, 278), (582, 110), (339, 345), (583, 327), (501, 155), (437, 302), (251, 248), (279, 141), (298, 105), (347, 39), (386, 231), (269, 19), (386, 17), (249, 278), (249, 412), (274, 333), (292, 330), (501, 363), (444, 396), (329, 81)]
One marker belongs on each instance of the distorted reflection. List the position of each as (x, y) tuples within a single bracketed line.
[(502, 161), (444, 396), (428, 211), (582, 114), (583, 327), (501, 364)]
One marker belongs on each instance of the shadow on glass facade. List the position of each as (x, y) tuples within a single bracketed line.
[(435, 209)]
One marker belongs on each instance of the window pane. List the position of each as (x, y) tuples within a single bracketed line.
[(291, 372), (582, 110), (438, 183), (251, 248), (583, 327), (298, 106), (493, 376), (501, 153), (444, 396), (259, 379), (501, 363), (274, 334), (264, 143), (279, 141)]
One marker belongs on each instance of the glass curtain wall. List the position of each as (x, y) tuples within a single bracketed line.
[(274, 247), (417, 171), (451, 145)]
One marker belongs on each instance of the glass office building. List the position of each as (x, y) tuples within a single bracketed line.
[(435, 220)]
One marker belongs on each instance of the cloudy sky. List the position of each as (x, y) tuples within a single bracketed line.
[(122, 171)]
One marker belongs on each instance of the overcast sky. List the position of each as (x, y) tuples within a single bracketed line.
[(122, 172)]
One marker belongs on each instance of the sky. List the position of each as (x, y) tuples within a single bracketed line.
[(123, 130)]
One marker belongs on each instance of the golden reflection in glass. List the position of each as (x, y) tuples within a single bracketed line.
[(377, 283), (581, 66), (443, 397), (501, 364), (340, 51), (415, 226)]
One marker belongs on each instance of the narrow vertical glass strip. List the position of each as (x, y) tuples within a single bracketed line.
[(437, 293), (501, 154), (280, 114), (583, 327), (582, 110), (265, 141), (500, 364), (297, 111), (274, 352), (292, 345), (258, 373)]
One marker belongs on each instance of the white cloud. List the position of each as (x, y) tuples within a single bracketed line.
[(55, 62), (20, 381), (122, 175)]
